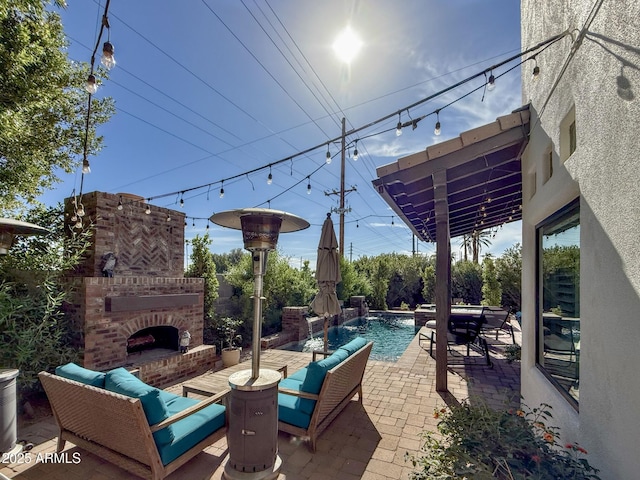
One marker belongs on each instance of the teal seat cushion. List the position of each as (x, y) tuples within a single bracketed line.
[(354, 345), (299, 374), (305, 404), (190, 430), (81, 374), (289, 411), (316, 371), (119, 380)]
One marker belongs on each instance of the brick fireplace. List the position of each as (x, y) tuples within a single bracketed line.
[(134, 318)]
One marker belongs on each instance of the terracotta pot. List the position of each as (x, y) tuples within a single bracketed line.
[(231, 356)]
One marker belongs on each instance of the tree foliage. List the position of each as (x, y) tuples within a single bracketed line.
[(35, 333), (466, 282), (224, 261), (203, 266), (283, 286), (42, 103), (509, 273), (491, 290)]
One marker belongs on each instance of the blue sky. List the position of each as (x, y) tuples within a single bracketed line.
[(206, 90)]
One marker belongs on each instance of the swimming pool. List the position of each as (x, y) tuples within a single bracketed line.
[(390, 335)]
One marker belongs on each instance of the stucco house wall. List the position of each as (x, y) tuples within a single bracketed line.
[(602, 81)]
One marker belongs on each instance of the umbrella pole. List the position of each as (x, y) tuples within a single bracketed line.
[(326, 333)]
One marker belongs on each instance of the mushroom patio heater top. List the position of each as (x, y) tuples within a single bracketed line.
[(260, 229), (9, 228)]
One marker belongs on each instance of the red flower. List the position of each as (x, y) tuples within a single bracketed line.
[(568, 445), (548, 437), (581, 450)]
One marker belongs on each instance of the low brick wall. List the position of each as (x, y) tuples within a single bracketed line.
[(168, 370)]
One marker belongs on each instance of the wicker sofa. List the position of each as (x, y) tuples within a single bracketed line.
[(312, 397), (142, 429)]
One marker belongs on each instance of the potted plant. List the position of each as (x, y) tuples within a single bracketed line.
[(231, 352)]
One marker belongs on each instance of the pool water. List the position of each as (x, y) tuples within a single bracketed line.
[(390, 335)]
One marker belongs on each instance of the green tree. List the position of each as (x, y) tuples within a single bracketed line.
[(35, 333), (203, 266), (491, 291), (224, 261), (42, 103), (509, 273), (466, 281), (283, 286), (479, 239), (429, 284), (353, 282)]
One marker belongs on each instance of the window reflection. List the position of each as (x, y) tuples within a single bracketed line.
[(559, 323)]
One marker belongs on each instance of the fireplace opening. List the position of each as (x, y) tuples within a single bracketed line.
[(163, 336)]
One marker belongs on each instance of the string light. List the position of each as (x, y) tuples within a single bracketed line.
[(222, 190), (355, 152), (413, 123), (120, 207), (392, 220), (107, 58), (437, 130), (399, 126), (181, 201), (147, 211), (309, 185), (270, 177), (536, 69), (92, 85), (168, 218), (86, 168), (492, 82)]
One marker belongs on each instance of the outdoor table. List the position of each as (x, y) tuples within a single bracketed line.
[(213, 382)]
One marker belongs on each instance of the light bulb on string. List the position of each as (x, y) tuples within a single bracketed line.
[(78, 224), (328, 155), (270, 177), (193, 224), (168, 218), (355, 152), (80, 211), (207, 225), (221, 192), (92, 85), (147, 210), (107, 58), (357, 224), (392, 221), (399, 126), (120, 207), (536, 69), (86, 168), (437, 130), (181, 202), (492, 82), (308, 185)]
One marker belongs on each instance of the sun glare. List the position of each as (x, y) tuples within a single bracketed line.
[(347, 45)]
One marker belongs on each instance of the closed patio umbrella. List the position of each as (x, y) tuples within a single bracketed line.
[(328, 276)]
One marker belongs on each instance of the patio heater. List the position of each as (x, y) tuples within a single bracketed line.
[(9, 228), (252, 436)]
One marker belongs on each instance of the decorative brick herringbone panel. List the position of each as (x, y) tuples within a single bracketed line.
[(143, 244)]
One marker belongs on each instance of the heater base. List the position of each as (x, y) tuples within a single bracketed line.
[(272, 473)]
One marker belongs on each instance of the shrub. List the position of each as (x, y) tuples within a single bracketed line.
[(478, 442)]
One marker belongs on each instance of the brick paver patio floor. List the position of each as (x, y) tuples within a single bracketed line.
[(367, 441)]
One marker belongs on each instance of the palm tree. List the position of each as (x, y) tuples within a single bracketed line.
[(479, 238), (466, 244)]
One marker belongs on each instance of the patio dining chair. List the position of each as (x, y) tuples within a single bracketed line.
[(463, 330), (497, 321)]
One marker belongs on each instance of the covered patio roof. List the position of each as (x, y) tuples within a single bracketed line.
[(483, 179)]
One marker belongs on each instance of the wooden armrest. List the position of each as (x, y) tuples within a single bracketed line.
[(321, 352), (188, 411), (296, 393)]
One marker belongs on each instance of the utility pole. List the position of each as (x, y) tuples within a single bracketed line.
[(341, 209), (350, 252), (342, 166)]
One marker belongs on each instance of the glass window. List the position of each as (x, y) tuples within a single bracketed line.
[(558, 319)]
